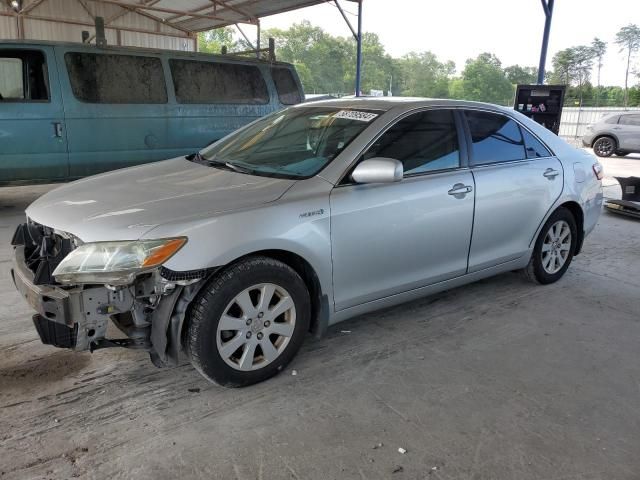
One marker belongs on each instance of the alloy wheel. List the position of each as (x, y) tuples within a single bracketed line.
[(556, 247), (256, 327), (604, 147)]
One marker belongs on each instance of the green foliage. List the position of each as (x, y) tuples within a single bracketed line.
[(521, 75), (628, 38), (213, 40), (423, 75), (483, 79)]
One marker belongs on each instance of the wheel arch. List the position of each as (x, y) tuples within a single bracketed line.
[(605, 134), (578, 215)]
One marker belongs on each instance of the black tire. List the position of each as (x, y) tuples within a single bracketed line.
[(605, 146), (535, 271), (200, 340)]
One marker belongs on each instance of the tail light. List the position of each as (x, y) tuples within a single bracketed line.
[(598, 170)]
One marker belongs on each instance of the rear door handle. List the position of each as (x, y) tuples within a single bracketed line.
[(459, 190), (550, 173), (57, 129)]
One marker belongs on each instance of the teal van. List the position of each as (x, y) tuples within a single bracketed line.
[(70, 110)]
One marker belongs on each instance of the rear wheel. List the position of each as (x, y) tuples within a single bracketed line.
[(554, 248), (248, 323), (604, 146)]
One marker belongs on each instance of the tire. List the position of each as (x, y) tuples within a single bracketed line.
[(541, 268), (210, 346), (605, 146)]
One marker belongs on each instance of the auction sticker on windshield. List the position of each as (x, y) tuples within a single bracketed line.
[(356, 115)]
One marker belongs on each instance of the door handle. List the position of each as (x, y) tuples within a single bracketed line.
[(459, 190), (550, 173), (57, 129)]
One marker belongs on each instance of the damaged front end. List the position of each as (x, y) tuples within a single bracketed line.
[(77, 288)]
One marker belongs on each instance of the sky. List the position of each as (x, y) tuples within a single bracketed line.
[(460, 29)]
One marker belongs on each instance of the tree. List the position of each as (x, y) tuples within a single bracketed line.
[(213, 40), (483, 79), (521, 75), (599, 48), (423, 75), (563, 62), (628, 38)]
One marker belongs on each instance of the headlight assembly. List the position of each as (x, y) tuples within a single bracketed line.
[(115, 263)]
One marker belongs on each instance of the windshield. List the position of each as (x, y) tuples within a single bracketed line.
[(293, 143)]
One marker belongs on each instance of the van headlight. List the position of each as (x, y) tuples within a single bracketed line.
[(115, 263)]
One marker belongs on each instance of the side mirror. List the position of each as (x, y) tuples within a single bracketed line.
[(378, 170)]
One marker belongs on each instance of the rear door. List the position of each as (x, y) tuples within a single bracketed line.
[(628, 132), (517, 181), (32, 131)]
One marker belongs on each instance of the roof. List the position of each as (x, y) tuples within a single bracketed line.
[(407, 103)]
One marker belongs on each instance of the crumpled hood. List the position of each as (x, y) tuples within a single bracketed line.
[(125, 204)]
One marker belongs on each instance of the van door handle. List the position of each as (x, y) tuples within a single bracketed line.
[(57, 129), (459, 190), (550, 173)]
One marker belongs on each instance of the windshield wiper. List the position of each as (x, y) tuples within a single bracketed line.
[(237, 168)]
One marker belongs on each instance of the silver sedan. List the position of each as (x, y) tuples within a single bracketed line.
[(307, 217)]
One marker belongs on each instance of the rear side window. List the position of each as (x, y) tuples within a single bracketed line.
[(108, 78), (23, 76), (286, 86), (630, 120), (612, 119), (496, 138), (534, 147), (423, 142), (209, 82)]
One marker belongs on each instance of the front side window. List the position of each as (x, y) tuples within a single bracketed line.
[(630, 120), (23, 76), (286, 86), (296, 142), (423, 142), (211, 82), (496, 138), (109, 78)]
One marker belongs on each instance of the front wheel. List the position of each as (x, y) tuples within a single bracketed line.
[(554, 248), (248, 323), (604, 146)]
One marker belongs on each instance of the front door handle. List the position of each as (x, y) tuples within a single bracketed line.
[(459, 190), (550, 173)]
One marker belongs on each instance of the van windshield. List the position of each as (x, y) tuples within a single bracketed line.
[(296, 142)]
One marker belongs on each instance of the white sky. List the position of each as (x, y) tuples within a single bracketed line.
[(460, 29)]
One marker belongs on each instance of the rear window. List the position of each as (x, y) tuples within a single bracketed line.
[(630, 120), (286, 86), (534, 147), (613, 119), (108, 78), (209, 82), (496, 138)]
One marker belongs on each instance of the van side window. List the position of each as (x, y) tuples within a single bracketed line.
[(286, 86), (211, 82), (496, 138), (23, 76), (110, 78)]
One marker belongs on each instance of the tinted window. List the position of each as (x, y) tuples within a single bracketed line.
[(630, 120), (108, 78), (208, 82), (535, 148), (612, 119), (23, 76), (495, 137), (423, 142), (286, 86)]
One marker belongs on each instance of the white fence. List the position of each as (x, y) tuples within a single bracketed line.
[(575, 120)]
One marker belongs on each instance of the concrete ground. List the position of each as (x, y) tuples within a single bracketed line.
[(499, 379)]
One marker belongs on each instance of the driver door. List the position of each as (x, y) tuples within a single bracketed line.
[(394, 237)]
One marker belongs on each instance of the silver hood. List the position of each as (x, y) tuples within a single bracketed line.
[(125, 204)]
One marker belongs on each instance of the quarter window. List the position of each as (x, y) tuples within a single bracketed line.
[(109, 78), (534, 147), (495, 138), (423, 142), (286, 86), (630, 120), (23, 76), (210, 82)]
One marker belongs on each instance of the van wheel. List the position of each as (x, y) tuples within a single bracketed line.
[(248, 323), (554, 248), (604, 146)]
